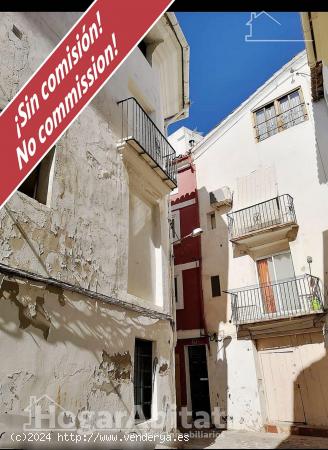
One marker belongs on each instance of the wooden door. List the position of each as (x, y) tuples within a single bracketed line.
[(313, 378), (281, 367), (294, 371), (268, 298), (199, 387)]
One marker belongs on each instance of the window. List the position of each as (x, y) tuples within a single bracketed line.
[(143, 380), (147, 50), (37, 184), (266, 122), (211, 221), (282, 113), (291, 110), (215, 284), (143, 47), (179, 269), (175, 226), (176, 289), (276, 294)]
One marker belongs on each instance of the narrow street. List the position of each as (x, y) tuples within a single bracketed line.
[(164, 237), (250, 439)]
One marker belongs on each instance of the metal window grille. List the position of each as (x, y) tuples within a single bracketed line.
[(143, 390)]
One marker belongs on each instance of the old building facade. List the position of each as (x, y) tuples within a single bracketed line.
[(262, 192), (87, 314), (192, 388)]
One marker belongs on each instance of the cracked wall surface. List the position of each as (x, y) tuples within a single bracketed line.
[(82, 236), (77, 350)]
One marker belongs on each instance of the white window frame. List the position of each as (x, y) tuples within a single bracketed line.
[(178, 274), (179, 294), (278, 113), (177, 232), (272, 255)]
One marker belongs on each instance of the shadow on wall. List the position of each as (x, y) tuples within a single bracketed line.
[(325, 267), (320, 117), (310, 390), (67, 328), (215, 252)]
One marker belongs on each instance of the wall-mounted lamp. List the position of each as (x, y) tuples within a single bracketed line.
[(196, 232)]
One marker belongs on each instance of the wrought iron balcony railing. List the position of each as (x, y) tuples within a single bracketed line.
[(138, 127), (274, 212), (287, 298)]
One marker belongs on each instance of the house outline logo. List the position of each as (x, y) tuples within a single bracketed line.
[(252, 21), (56, 419)]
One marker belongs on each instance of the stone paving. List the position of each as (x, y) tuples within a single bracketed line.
[(254, 440)]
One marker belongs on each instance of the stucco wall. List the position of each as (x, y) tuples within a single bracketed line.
[(232, 152), (78, 351), (82, 238)]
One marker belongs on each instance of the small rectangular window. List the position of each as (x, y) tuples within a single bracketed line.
[(211, 221), (291, 110), (143, 379), (176, 289), (175, 226), (266, 122), (143, 47), (282, 113), (37, 184), (215, 284)]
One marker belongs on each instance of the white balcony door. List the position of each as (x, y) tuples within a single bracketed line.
[(278, 286)]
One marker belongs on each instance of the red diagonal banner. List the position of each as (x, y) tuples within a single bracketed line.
[(67, 81)]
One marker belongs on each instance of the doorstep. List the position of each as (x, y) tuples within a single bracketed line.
[(296, 429)]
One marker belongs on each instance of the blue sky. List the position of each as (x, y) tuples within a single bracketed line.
[(224, 69)]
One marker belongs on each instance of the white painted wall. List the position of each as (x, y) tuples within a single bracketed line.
[(226, 155), (181, 137), (325, 81), (82, 237)]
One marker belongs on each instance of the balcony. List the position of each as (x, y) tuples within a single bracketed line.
[(255, 308), (140, 131), (263, 223)]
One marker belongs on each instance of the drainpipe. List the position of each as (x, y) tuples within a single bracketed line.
[(309, 38), (175, 117), (185, 58)]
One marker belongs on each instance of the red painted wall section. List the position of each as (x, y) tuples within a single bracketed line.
[(190, 317), (189, 250)]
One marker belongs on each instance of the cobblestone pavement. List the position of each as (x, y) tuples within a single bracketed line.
[(245, 439)]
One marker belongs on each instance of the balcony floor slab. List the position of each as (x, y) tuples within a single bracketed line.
[(282, 326)]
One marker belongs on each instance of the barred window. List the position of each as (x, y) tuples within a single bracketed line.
[(143, 389), (282, 113)]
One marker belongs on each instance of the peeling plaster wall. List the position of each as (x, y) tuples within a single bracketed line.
[(77, 350), (82, 237)]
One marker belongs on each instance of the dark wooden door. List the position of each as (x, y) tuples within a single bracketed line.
[(200, 396)]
